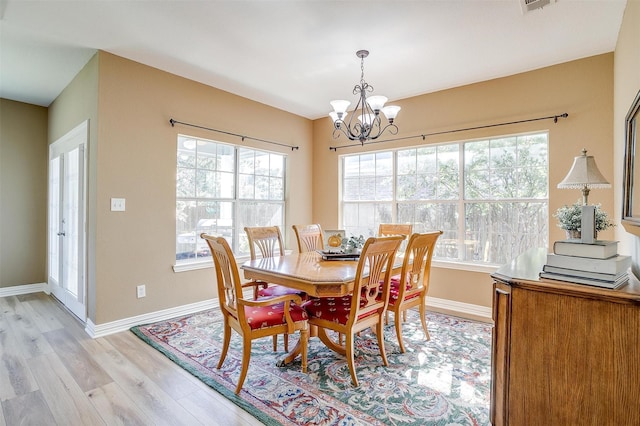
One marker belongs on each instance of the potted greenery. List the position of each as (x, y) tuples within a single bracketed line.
[(570, 219), (353, 244)]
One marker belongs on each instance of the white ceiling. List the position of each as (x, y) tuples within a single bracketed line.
[(298, 55)]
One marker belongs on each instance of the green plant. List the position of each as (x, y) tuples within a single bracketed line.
[(570, 217), (352, 243)]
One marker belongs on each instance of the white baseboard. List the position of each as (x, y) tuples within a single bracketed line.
[(461, 307), (24, 289), (124, 324)]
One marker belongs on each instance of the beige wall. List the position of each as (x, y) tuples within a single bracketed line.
[(23, 193), (583, 89), (136, 160), (77, 103), (627, 85)]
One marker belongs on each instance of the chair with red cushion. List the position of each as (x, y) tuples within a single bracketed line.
[(252, 319), (365, 307), (415, 274), (268, 240)]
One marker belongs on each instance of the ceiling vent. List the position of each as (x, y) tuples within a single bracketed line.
[(530, 5)]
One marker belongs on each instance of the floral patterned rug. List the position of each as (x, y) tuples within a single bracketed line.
[(444, 381)]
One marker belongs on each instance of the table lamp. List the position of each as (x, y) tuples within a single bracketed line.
[(584, 174)]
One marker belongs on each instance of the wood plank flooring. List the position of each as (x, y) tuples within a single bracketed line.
[(53, 373)]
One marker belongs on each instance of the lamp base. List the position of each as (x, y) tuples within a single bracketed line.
[(588, 225)]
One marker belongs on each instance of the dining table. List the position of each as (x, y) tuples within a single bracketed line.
[(311, 273)]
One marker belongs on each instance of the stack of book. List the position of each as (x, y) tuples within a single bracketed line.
[(597, 264)]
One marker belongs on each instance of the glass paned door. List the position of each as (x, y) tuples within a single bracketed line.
[(67, 220)]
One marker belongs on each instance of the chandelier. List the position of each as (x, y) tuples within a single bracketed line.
[(367, 125)]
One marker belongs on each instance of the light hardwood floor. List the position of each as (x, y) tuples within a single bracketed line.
[(52, 372)]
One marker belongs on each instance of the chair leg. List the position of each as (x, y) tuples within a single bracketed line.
[(225, 344), (399, 331), (285, 338), (423, 319), (275, 342), (380, 333), (350, 357), (246, 356), (304, 341)]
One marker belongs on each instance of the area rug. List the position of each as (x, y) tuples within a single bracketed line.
[(444, 381)]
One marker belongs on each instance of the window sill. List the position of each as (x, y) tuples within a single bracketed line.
[(204, 264)]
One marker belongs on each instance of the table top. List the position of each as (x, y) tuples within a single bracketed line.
[(307, 272)]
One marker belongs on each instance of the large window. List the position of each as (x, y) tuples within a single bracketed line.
[(490, 196), (222, 188)]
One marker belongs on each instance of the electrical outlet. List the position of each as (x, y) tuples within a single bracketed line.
[(141, 291), (118, 204)]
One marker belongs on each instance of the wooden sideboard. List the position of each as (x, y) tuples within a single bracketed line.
[(563, 354)]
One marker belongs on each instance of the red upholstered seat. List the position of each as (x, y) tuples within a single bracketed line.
[(268, 316), (394, 291), (334, 309)]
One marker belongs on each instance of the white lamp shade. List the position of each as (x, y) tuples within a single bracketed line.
[(584, 173), (340, 106), (391, 111), (376, 102)]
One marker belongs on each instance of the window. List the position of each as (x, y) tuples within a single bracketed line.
[(222, 188), (490, 196)]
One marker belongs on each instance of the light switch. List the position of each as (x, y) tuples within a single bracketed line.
[(117, 204)]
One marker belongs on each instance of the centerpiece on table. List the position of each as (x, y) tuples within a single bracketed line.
[(570, 219), (353, 244), (349, 248)]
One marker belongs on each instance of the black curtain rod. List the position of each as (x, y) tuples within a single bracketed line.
[(423, 136), (174, 122)]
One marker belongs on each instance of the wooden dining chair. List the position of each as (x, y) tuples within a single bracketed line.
[(410, 287), (252, 319), (386, 229), (362, 309), (309, 237), (268, 241)]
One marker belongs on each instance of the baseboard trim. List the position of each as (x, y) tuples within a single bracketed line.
[(24, 289), (105, 329), (460, 307)]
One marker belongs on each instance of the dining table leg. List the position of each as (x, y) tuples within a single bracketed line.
[(297, 349), (330, 343)]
